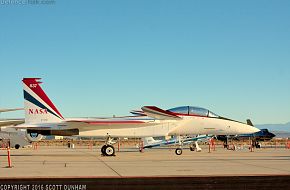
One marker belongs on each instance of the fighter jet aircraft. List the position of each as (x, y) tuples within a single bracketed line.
[(43, 118), (262, 135)]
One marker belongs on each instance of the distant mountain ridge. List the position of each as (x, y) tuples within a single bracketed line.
[(275, 127)]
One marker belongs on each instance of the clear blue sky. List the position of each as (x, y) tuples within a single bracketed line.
[(99, 58)]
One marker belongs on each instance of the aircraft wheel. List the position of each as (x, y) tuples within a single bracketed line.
[(191, 148), (109, 150), (178, 151), (103, 149), (17, 146)]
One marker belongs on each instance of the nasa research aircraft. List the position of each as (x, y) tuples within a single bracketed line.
[(43, 118)]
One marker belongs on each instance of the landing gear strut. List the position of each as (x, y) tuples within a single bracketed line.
[(178, 151), (192, 147), (108, 149)]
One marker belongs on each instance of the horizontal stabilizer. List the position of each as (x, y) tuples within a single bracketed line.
[(158, 113), (150, 141)]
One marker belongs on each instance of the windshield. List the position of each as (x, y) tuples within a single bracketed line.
[(198, 111), (211, 114), (191, 110), (182, 110)]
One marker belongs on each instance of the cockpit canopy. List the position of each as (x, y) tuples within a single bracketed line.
[(190, 110)]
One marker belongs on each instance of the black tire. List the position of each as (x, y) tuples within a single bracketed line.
[(191, 148), (178, 151), (17, 146), (109, 150), (103, 149)]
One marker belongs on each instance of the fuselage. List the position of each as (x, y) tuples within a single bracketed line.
[(144, 126)]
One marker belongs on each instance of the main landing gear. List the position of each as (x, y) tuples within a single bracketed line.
[(195, 147), (108, 149)]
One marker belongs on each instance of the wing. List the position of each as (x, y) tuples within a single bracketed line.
[(90, 124), (8, 122), (7, 110), (198, 138), (137, 113), (158, 113)]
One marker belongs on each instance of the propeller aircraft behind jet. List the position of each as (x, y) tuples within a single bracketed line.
[(43, 118), (150, 142)]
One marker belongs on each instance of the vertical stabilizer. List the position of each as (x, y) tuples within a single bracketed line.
[(38, 107)]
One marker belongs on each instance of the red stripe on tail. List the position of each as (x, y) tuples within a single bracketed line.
[(33, 84)]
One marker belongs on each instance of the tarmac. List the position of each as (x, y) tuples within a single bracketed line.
[(84, 168), (87, 162)]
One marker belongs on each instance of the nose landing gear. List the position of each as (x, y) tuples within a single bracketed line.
[(108, 149)]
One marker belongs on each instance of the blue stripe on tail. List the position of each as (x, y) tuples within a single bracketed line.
[(32, 100)]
